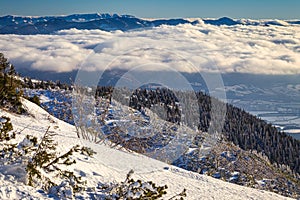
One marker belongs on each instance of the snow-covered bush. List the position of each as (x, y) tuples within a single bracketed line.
[(46, 161), (62, 191), (36, 163), (135, 189), (5, 127)]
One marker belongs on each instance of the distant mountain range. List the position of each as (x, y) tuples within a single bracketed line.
[(109, 22)]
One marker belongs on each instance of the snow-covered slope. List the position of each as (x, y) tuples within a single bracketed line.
[(112, 165)]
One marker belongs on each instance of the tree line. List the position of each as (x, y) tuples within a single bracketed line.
[(243, 129)]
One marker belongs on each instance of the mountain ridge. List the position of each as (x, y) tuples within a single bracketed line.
[(27, 25)]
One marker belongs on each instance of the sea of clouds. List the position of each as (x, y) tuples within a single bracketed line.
[(186, 48)]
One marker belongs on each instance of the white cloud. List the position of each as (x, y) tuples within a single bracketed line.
[(249, 49)]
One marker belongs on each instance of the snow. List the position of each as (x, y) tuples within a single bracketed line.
[(2, 120), (14, 190), (261, 182), (112, 165), (44, 99)]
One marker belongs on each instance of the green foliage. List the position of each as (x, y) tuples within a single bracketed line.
[(9, 87), (35, 99), (46, 160), (43, 154), (14, 153), (40, 158), (45, 85), (5, 127)]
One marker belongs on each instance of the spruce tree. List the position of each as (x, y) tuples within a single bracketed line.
[(9, 87)]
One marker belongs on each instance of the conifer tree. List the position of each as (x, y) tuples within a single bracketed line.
[(9, 87)]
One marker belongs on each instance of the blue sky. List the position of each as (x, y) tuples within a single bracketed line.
[(280, 9)]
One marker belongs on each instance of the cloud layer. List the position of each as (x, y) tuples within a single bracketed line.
[(187, 48)]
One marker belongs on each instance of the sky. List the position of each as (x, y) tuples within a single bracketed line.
[(263, 9)]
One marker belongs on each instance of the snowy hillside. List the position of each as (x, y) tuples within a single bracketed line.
[(110, 165)]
